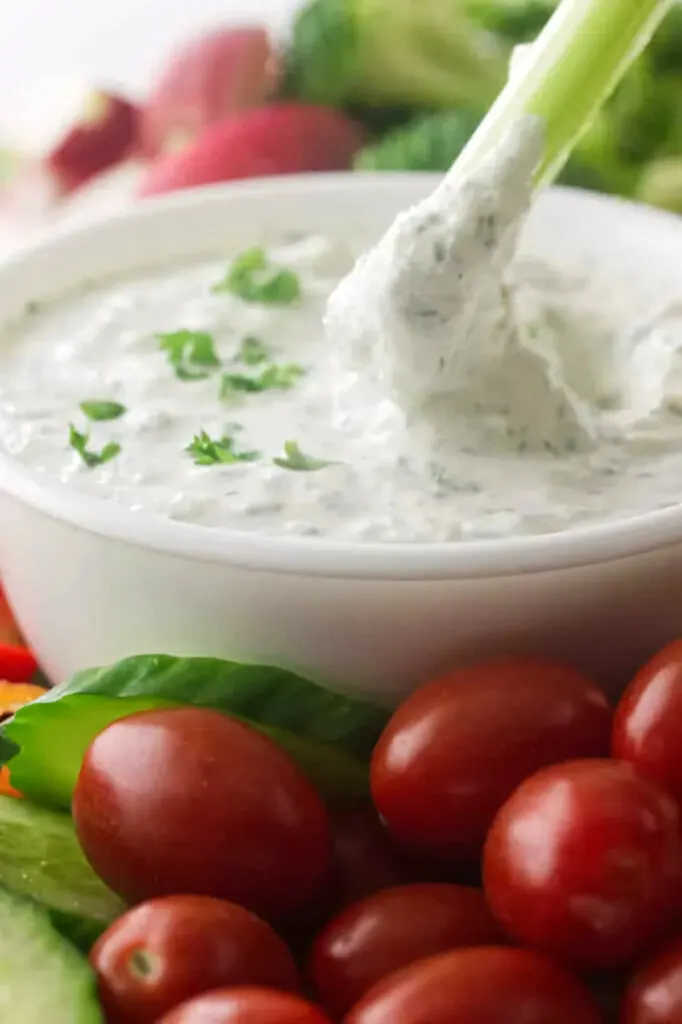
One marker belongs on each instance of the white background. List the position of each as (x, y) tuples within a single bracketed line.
[(108, 41)]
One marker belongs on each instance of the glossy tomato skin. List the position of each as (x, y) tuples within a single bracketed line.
[(170, 949), (363, 862), (246, 1006), (190, 801), (584, 863), (389, 931), (648, 720), (478, 986), (654, 993), (459, 746)]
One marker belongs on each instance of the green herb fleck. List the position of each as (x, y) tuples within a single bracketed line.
[(295, 459), (192, 354), (79, 443), (207, 452), (102, 409), (252, 351), (275, 377), (254, 278)]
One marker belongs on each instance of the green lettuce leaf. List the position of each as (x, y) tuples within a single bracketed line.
[(331, 736)]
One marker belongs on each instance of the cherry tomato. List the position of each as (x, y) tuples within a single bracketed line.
[(247, 1006), (584, 862), (457, 748), (478, 986), (390, 930), (190, 801), (163, 952), (648, 721), (365, 860), (654, 993)]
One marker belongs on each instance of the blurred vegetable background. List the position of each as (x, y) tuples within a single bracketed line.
[(377, 85)]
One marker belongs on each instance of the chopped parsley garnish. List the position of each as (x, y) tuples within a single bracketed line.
[(252, 351), (295, 459), (253, 277), (102, 409), (192, 354), (79, 443), (275, 377), (207, 452)]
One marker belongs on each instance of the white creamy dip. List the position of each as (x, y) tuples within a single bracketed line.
[(456, 396)]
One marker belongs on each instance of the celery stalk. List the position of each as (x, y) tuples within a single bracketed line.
[(573, 67)]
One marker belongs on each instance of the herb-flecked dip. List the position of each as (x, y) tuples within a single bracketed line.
[(448, 390)]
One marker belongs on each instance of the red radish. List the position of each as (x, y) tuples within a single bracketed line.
[(62, 137), (279, 139), (220, 73), (104, 135)]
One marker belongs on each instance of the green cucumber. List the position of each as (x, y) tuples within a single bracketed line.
[(42, 975), (80, 931), (40, 857), (331, 736)]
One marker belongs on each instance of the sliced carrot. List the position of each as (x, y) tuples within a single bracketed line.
[(6, 787), (14, 695)]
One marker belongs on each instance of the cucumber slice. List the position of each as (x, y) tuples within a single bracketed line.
[(40, 857), (81, 931), (42, 976)]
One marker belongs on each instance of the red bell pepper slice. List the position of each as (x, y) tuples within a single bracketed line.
[(17, 664)]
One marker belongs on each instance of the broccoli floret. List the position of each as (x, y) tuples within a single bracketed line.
[(518, 21), (579, 174), (673, 142), (597, 162), (414, 53), (428, 143), (377, 121), (665, 49), (642, 111), (661, 184)]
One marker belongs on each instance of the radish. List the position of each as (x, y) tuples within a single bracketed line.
[(217, 74)]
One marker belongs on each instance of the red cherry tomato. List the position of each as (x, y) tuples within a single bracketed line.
[(478, 986), (247, 1006), (163, 952), (365, 860), (584, 862), (457, 748), (390, 930), (191, 801), (648, 721), (654, 993)]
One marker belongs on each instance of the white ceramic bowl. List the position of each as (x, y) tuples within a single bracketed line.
[(91, 582)]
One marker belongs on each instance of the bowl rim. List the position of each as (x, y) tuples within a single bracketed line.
[(319, 557)]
